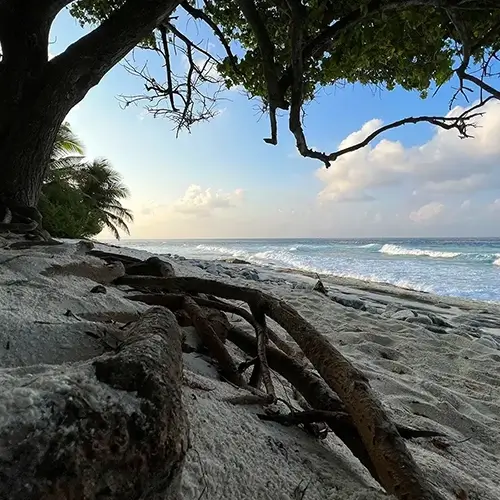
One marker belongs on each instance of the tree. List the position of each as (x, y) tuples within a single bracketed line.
[(102, 189), (286, 51), (79, 198)]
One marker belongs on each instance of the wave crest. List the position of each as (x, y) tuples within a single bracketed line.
[(390, 249)]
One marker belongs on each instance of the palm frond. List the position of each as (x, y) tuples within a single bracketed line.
[(66, 143)]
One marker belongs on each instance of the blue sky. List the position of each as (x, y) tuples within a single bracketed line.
[(223, 181)]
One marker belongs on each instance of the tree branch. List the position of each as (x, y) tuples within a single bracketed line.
[(276, 98), (461, 123), (467, 47), (85, 62), (200, 14), (168, 69)]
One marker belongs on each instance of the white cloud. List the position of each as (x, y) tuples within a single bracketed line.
[(202, 202), (444, 164), (495, 205), (466, 204), (427, 212)]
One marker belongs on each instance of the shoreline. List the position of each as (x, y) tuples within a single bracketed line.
[(384, 277)]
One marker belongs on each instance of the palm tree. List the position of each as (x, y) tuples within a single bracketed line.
[(103, 188), (94, 183)]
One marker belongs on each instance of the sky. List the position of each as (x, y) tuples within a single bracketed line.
[(223, 181)]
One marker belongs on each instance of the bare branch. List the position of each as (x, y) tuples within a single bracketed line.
[(185, 99), (460, 123), (168, 67)]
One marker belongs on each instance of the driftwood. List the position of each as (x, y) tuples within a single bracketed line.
[(81, 438), (174, 302), (393, 464)]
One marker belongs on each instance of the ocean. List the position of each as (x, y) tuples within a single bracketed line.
[(466, 268)]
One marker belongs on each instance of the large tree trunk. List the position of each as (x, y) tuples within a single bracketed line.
[(25, 150)]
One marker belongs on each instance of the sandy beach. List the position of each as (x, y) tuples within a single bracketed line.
[(433, 361)]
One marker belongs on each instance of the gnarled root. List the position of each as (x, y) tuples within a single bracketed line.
[(393, 464)]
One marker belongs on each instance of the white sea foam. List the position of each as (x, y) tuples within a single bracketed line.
[(398, 250), (496, 262)]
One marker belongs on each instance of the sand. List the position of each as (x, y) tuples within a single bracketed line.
[(433, 361)]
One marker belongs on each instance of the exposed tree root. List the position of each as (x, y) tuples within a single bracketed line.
[(334, 419), (392, 464), (213, 342), (174, 302)]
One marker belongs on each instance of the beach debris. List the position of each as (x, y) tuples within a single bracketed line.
[(98, 289)]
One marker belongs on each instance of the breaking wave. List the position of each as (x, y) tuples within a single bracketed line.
[(397, 250)]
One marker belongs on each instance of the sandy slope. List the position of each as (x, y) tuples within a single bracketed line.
[(434, 362)]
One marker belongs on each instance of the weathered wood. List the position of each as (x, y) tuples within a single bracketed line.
[(174, 302), (213, 342), (113, 427), (398, 472), (334, 419)]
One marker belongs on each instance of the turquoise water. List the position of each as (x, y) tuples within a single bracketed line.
[(468, 268)]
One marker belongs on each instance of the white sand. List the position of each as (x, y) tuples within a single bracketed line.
[(447, 381)]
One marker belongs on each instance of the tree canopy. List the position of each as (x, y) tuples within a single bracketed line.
[(281, 53), (284, 52)]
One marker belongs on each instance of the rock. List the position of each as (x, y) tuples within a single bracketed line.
[(98, 289), (487, 341), (319, 287), (404, 314), (250, 274), (423, 320), (112, 427), (237, 261), (439, 321), (154, 266), (349, 302)]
